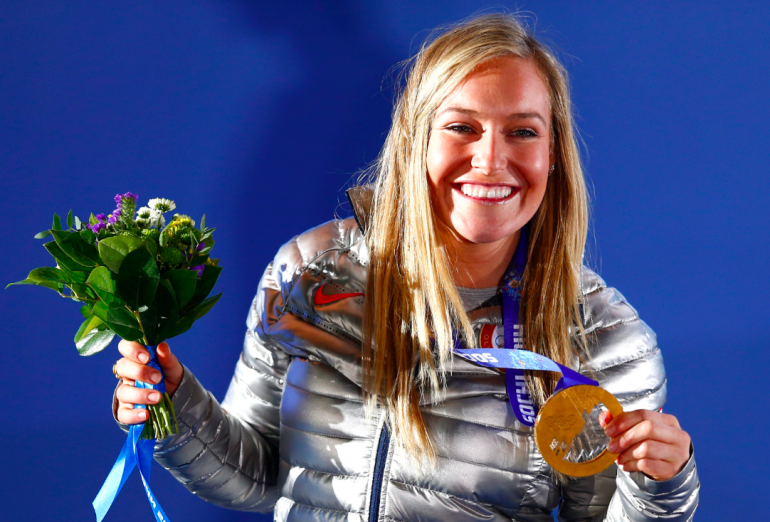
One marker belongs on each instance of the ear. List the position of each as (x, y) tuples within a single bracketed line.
[(551, 158)]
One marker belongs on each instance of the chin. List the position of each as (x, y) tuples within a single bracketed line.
[(484, 235)]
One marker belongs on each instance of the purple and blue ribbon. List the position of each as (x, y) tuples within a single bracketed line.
[(514, 359), (135, 453)]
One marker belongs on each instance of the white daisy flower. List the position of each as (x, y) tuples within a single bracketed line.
[(161, 205), (143, 213), (157, 220)]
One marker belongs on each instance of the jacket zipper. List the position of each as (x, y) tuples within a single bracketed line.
[(379, 472)]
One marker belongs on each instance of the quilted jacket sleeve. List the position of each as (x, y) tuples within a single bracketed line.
[(625, 358), (228, 454)]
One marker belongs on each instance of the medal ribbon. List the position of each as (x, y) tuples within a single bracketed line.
[(135, 453), (514, 359)]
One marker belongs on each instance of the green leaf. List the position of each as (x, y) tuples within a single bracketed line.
[(82, 292), (58, 287), (138, 278), (184, 283), (205, 285), (186, 322), (102, 281), (74, 246), (162, 239), (78, 224), (87, 236), (92, 220), (42, 235), (113, 250), (149, 320), (74, 276), (56, 222), (63, 260), (69, 219), (85, 310), (160, 318), (120, 321), (48, 273), (94, 341), (89, 324), (198, 260), (203, 222), (151, 245), (167, 310)]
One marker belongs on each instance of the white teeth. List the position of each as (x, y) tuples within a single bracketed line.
[(479, 191)]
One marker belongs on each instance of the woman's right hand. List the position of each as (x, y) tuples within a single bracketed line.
[(132, 367)]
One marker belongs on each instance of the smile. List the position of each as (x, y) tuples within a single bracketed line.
[(486, 193)]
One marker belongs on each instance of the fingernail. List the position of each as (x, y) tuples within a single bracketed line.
[(155, 377), (154, 397), (142, 414), (143, 357), (609, 430), (613, 446)]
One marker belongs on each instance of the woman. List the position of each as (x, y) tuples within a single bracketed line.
[(348, 403)]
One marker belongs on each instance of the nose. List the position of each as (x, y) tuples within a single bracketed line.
[(488, 154)]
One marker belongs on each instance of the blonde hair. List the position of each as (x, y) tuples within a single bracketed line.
[(412, 304)]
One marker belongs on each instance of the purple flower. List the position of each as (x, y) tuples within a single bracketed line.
[(120, 197), (101, 217), (126, 206), (201, 246), (113, 218), (199, 268), (97, 227)]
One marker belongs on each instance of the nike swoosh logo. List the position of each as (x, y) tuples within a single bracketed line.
[(322, 299)]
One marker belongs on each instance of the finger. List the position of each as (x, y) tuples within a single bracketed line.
[(134, 351), (131, 395), (653, 450), (655, 469), (649, 430), (171, 366), (629, 419), (127, 414), (135, 371)]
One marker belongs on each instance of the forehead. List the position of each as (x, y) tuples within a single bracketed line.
[(509, 84)]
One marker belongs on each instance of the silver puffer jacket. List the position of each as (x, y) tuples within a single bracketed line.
[(291, 435)]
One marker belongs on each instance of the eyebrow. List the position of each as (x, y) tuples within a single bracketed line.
[(514, 116)]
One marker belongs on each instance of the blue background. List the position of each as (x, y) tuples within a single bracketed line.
[(260, 115)]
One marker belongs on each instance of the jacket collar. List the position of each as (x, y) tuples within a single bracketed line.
[(361, 199)]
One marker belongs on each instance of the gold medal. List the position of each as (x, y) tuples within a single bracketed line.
[(562, 418)]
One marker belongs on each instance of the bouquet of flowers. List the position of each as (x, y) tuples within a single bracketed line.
[(136, 276)]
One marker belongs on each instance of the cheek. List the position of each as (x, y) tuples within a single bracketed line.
[(441, 156), (535, 169), (433, 163)]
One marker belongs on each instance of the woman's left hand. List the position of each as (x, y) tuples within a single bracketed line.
[(648, 441)]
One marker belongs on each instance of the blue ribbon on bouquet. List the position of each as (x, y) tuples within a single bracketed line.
[(514, 359), (135, 452)]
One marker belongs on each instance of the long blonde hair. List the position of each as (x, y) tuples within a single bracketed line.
[(412, 304)]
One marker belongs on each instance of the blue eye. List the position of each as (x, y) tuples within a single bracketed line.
[(524, 133), (460, 128)]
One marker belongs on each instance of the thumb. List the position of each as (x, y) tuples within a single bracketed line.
[(172, 368)]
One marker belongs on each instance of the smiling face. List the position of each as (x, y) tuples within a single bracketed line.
[(489, 152)]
